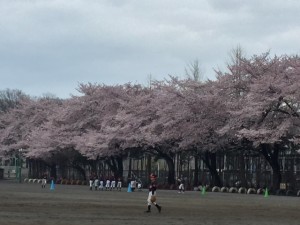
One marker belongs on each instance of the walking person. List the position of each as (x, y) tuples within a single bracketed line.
[(181, 185), (152, 194)]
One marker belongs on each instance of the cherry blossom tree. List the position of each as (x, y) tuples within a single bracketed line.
[(267, 109), (175, 115), (203, 113), (90, 121), (20, 123)]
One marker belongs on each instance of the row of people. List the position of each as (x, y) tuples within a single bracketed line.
[(109, 185)]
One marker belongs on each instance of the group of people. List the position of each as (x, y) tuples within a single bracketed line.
[(151, 200), (105, 184), (111, 184), (134, 185)]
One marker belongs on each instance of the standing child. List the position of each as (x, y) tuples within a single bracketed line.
[(139, 186), (44, 181), (113, 184), (119, 184), (101, 185), (91, 182), (96, 183), (152, 194), (133, 185), (107, 185)]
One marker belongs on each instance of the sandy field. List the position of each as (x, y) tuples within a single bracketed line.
[(29, 204)]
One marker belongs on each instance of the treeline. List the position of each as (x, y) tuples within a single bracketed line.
[(253, 109)]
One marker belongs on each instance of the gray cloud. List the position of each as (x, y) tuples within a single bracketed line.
[(51, 46)]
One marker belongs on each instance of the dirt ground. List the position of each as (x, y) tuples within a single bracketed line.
[(29, 204)]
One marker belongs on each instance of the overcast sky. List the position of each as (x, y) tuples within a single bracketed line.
[(49, 46)]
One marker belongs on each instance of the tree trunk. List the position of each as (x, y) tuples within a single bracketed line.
[(80, 170), (272, 159), (120, 167), (242, 171), (196, 172), (93, 166), (149, 159), (30, 168), (171, 168), (258, 172), (129, 168), (53, 171), (34, 169), (116, 166), (210, 161)]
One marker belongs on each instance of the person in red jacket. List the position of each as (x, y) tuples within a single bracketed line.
[(152, 194)]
